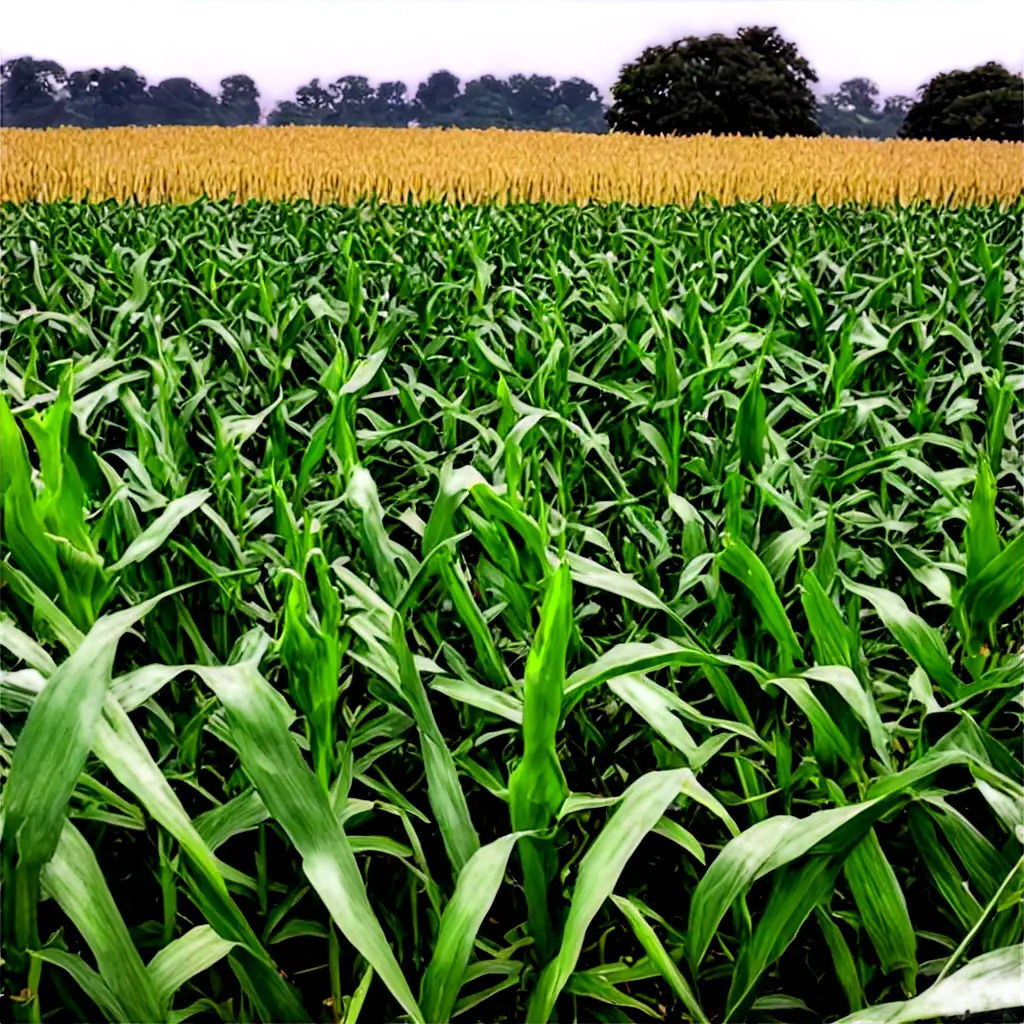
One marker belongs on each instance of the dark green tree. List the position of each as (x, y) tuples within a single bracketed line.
[(239, 100), (754, 84), (314, 101), (532, 99), (984, 103), (352, 99), (437, 100), (179, 101), (32, 93), (782, 56), (581, 101), (108, 98), (40, 93), (486, 102), (390, 105)]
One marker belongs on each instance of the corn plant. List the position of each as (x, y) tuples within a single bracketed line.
[(511, 613)]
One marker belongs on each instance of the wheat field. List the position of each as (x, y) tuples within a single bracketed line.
[(155, 165)]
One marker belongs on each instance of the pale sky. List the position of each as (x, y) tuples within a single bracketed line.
[(282, 44)]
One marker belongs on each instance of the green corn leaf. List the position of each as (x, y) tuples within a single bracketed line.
[(833, 644), (591, 987), (25, 536), (497, 507), (24, 648), (89, 981), (453, 487), (443, 787), (660, 958), (486, 698), (989, 983), (588, 573), (160, 529), (74, 879), (361, 494), (633, 657), (740, 562), (997, 587), (849, 687), (825, 564), (646, 701), (945, 876), (43, 773), (118, 745), (882, 908), (922, 642), (981, 535), (829, 740), (259, 722), (468, 610), (999, 399), (761, 849), (796, 891), (195, 951), (537, 787), (842, 959), (477, 886), (355, 1003), (44, 610), (752, 426), (641, 808)]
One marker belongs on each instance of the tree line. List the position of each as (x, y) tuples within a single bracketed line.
[(752, 83)]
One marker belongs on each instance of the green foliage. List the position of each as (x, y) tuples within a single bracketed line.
[(986, 102), (754, 84), (533, 613)]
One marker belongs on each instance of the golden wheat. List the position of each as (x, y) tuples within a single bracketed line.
[(402, 164)]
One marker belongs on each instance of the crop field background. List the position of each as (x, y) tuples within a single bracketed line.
[(155, 165), (510, 612)]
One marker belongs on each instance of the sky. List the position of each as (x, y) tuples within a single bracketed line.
[(282, 44)]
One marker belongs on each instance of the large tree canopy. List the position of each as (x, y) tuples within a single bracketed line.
[(754, 84), (985, 103)]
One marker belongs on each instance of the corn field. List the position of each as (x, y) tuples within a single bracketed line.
[(510, 612), (157, 165)]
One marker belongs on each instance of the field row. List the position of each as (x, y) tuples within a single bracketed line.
[(155, 165), (496, 613)]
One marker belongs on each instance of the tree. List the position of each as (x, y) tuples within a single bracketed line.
[(581, 100), (179, 101), (239, 100), (313, 99), (755, 83), (352, 99), (41, 94), (857, 95), (985, 103), (897, 105), (782, 56), (390, 106), (486, 102), (853, 111), (532, 99), (437, 100), (32, 93), (111, 98)]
